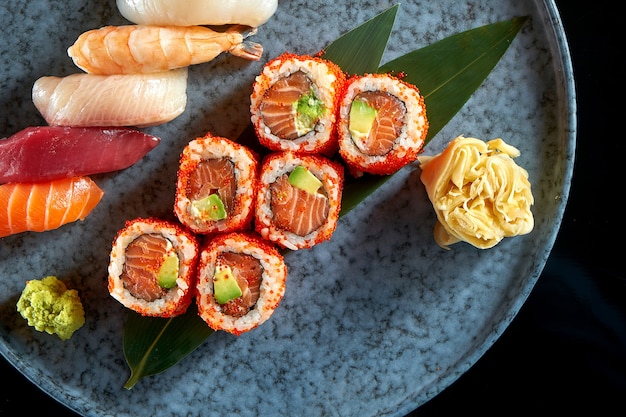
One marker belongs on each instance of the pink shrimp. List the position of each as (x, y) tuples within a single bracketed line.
[(149, 48)]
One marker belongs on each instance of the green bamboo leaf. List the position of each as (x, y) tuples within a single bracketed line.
[(361, 49), (153, 344), (447, 73)]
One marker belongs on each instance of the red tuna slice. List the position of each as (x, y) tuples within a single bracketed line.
[(44, 153)]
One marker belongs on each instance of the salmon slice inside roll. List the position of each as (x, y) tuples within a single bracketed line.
[(386, 114), (290, 107), (147, 262), (248, 272), (296, 210), (213, 177)]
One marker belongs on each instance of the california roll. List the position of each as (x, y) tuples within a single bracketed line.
[(241, 281), (216, 184), (382, 124), (294, 104), (152, 267)]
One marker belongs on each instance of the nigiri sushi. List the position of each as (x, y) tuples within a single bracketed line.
[(152, 267), (299, 199), (216, 185), (198, 12), (382, 124), (132, 49), (241, 282), (294, 104), (43, 153), (138, 100), (43, 206)]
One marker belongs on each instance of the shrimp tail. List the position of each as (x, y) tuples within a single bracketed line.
[(247, 50)]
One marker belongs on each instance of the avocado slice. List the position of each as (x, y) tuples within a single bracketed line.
[(362, 116), (308, 111), (210, 206), (168, 272), (225, 287), (303, 178)]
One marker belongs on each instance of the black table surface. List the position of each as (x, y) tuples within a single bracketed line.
[(566, 348)]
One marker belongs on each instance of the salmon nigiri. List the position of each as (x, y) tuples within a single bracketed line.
[(43, 206), (138, 100)]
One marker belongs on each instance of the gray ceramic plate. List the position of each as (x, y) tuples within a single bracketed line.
[(376, 321)]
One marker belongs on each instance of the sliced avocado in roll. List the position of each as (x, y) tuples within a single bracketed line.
[(362, 116), (225, 287), (303, 178), (168, 272), (308, 111), (210, 206)]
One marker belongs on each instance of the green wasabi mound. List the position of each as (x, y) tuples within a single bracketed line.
[(49, 306)]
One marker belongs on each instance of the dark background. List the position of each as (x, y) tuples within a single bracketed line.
[(566, 349)]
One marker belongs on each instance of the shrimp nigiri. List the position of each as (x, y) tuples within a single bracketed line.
[(138, 100), (147, 48), (198, 12), (43, 206)]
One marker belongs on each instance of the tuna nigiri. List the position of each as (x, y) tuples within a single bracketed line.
[(138, 100), (198, 12), (43, 206), (44, 153)]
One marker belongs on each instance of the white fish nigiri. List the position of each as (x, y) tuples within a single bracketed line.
[(139, 100), (198, 12)]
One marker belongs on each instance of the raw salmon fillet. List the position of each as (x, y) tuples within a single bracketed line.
[(43, 206)]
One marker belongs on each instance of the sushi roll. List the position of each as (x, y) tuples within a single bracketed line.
[(241, 281), (216, 184), (299, 199), (294, 104), (152, 267), (382, 124)]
